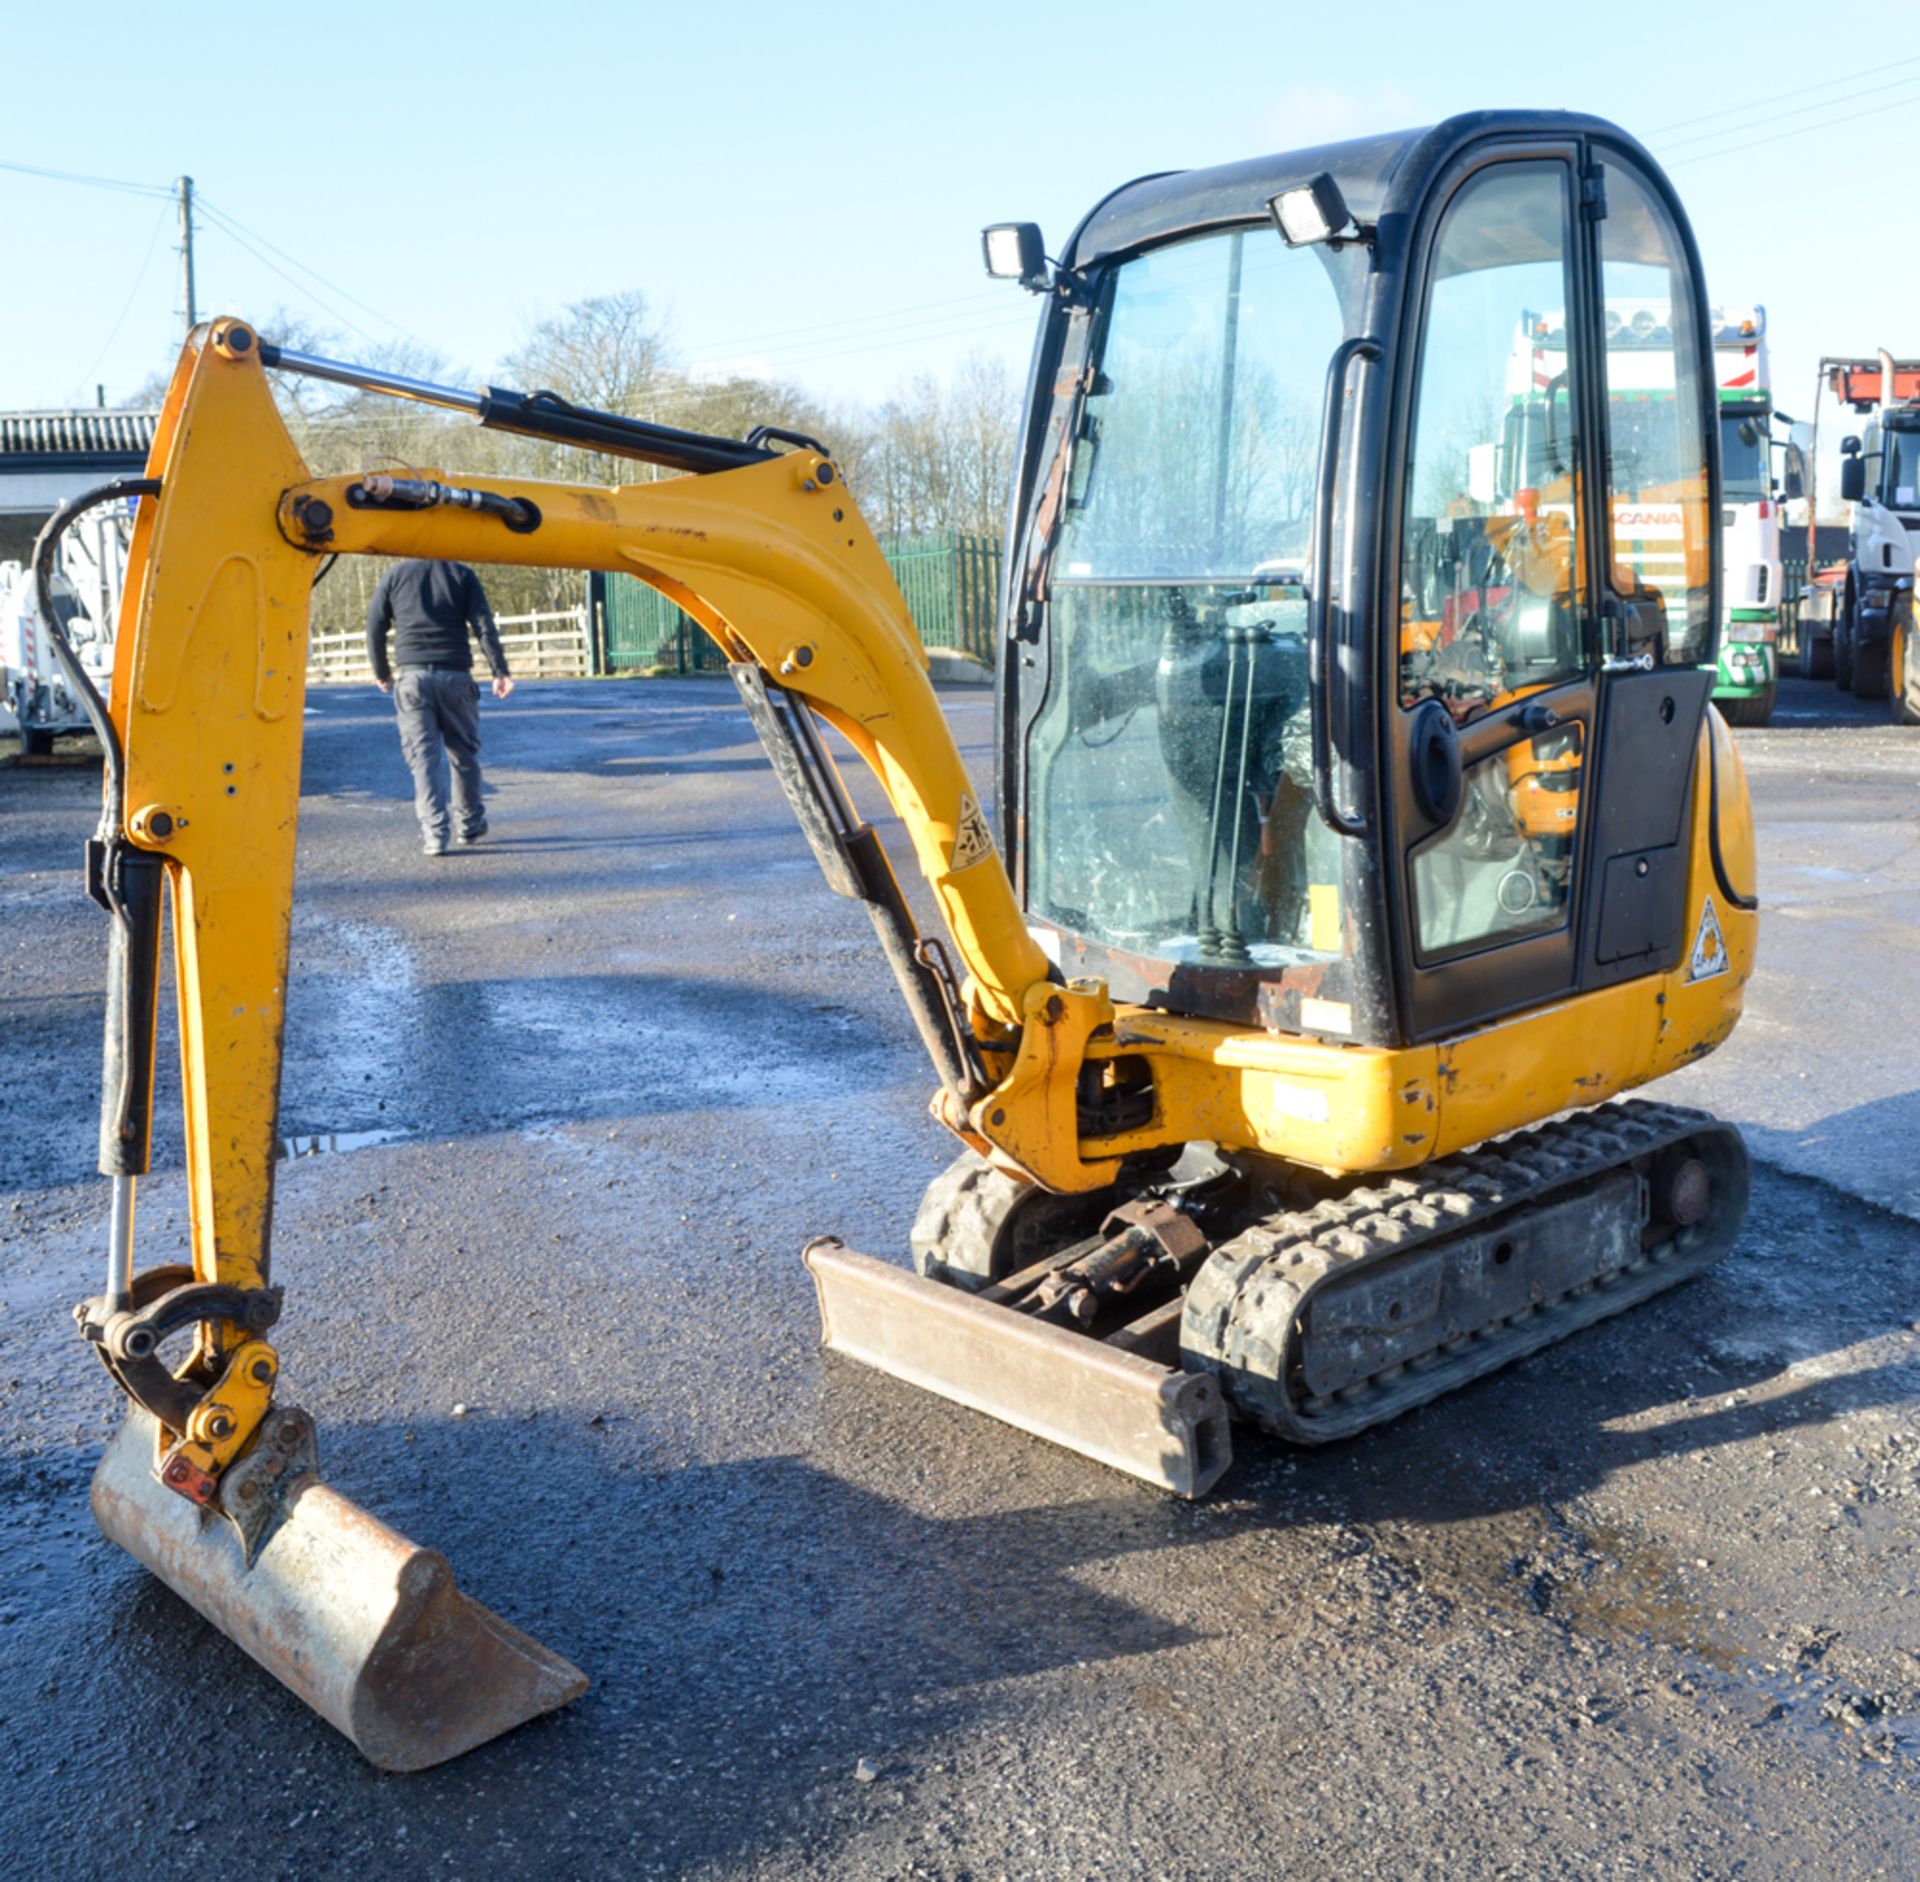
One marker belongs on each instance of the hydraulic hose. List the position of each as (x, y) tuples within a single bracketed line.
[(128, 887), (46, 544)]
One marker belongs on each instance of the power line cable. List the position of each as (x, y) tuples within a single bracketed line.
[(237, 227), (92, 182), (146, 262), (299, 287), (1851, 117), (821, 342), (913, 336), (1824, 104), (882, 318), (230, 225), (1798, 91)]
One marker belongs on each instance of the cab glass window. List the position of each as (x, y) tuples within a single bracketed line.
[(1170, 766), (1504, 867), (1656, 385), (1200, 431), (1902, 481), (1491, 601), (1744, 456)]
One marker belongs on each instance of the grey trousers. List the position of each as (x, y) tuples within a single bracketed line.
[(439, 713)]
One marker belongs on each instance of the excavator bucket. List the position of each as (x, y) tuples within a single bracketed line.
[(362, 1624), (1155, 1422)]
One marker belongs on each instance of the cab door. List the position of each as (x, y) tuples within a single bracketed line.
[(1544, 704), (1495, 663), (1660, 541)]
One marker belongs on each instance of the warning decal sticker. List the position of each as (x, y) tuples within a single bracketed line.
[(972, 841), (1709, 947)]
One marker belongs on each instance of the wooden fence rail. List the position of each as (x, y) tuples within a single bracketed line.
[(538, 646)]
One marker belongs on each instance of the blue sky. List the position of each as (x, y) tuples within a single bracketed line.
[(799, 189)]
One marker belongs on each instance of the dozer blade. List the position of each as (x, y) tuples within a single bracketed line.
[(366, 1627), (1166, 1427)]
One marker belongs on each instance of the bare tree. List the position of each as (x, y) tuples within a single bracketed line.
[(984, 416), (607, 351), (934, 456), (938, 456)]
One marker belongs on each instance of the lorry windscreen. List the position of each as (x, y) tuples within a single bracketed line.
[(1900, 486)]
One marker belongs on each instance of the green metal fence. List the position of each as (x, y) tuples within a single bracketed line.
[(644, 631), (951, 582)]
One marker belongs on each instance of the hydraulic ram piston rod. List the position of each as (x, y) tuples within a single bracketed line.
[(536, 415)]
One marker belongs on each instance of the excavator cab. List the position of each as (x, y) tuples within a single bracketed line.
[(1362, 828), (1310, 721)]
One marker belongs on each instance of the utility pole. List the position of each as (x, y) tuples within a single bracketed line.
[(186, 249)]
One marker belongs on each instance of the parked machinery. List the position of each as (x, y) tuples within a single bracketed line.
[(1358, 838), (1865, 609), (1759, 472)]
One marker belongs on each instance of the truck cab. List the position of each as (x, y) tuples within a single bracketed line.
[(1749, 671), (1880, 477)]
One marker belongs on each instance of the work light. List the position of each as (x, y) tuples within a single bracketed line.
[(1014, 251), (1313, 212)]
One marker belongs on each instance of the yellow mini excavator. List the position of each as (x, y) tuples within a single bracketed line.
[(1361, 826)]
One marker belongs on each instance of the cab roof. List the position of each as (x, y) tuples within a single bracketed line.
[(1185, 202)]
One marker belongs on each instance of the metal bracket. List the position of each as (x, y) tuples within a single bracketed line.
[(164, 1301), (855, 866), (254, 1492)]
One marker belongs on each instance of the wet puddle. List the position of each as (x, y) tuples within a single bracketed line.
[(1611, 1585), (326, 1143), (1600, 1580)]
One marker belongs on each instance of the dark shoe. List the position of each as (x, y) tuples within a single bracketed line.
[(476, 833)]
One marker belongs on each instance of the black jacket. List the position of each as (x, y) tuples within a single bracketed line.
[(430, 606)]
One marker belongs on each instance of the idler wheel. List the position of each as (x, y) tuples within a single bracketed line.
[(1681, 1188)]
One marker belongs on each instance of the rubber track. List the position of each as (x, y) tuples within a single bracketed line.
[(1246, 1308)]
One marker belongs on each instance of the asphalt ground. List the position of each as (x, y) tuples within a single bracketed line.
[(1644, 1605)]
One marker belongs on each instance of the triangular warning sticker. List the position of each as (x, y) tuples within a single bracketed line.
[(972, 840), (1709, 947)]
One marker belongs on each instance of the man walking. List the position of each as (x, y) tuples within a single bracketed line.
[(429, 607)]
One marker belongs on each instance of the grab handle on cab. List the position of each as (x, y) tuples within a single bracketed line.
[(1321, 664)]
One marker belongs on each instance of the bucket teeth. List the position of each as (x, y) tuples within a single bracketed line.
[(363, 1625)]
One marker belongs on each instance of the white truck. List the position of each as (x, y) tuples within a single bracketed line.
[(1750, 517), (45, 459), (36, 703), (1880, 477), (1640, 383)]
